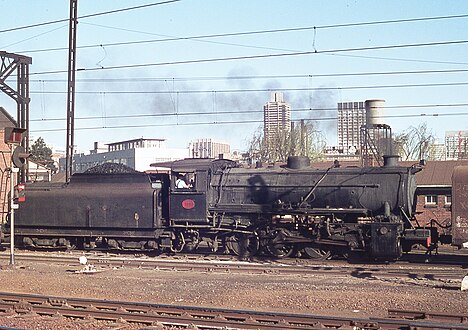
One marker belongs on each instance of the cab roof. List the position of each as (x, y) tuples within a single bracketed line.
[(192, 164)]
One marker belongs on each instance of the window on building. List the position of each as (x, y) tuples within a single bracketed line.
[(448, 200), (431, 200)]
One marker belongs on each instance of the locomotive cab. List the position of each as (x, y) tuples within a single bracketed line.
[(187, 201)]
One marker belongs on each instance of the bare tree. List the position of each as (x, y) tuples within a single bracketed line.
[(415, 143), (302, 140)]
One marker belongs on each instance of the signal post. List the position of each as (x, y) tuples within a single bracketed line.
[(13, 136)]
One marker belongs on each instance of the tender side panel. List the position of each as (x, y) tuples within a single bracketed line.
[(106, 201)]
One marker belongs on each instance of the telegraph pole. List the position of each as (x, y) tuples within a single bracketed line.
[(71, 88), (13, 170)]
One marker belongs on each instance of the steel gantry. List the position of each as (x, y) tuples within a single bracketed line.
[(9, 64)]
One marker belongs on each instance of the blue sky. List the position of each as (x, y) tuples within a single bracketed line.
[(155, 96)]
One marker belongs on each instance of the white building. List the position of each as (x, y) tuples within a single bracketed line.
[(38, 172), (456, 144), (137, 154), (355, 116), (351, 116), (208, 148), (276, 117)]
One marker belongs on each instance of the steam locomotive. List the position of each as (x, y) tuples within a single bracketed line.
[(246, 211)]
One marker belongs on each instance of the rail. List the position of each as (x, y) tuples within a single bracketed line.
[(214, 318)]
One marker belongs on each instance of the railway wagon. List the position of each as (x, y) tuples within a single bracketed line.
[(460, 206), (276, 210)]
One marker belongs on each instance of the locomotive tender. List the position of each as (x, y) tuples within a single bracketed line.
[(274, 210)]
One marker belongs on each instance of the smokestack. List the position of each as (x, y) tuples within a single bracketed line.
[(390, 160)]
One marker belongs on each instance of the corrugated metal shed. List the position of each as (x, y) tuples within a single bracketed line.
[(437, 172)]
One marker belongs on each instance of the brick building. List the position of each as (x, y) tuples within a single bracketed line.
[(5, 121), (434, 193)]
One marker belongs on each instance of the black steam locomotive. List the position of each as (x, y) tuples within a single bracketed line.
[(276, 210)]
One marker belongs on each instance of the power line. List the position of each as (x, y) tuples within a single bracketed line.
[(400, 59), (233, 44), (166, 39), (35, 36), (233, 122), (307, 28), (239, 112), (218, 35), (225, 91), (407, 20), (198, 38), (88, 16), (34, 25), (247, 46), (171, 38), (129, 8), (291, 76), (249, 57), (248, 33)]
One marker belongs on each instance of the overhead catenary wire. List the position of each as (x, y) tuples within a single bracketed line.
[(169, 38), (245, 33), (262, 56), (232, 122), (295, 54), (201, 38), (291, 53), (248, 33), (330, 26), (252, 77), (258, 90), (239, 112), (87, 16)]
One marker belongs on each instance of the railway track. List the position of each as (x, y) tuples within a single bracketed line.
[(148, 314), (436, 276)]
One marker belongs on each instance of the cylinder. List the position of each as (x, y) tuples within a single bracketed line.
[(374, 112)]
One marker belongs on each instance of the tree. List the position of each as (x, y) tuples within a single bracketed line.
[(415, 143), (42, 154), (299, 141)]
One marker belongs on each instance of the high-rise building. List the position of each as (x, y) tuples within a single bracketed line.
[(361, 128), (351, 116), (456, 144), (208, 148), (276, 117)]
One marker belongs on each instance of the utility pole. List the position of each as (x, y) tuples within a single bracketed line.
[(71, 88), (12, 207)]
